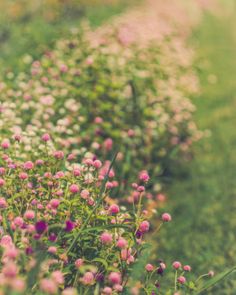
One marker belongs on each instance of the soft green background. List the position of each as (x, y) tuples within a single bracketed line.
[(202, 199)]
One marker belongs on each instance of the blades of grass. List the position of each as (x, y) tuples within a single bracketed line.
[(215, 280), (33, 274)]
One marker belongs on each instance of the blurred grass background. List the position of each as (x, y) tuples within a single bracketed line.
[(203, 198), (30, 27)]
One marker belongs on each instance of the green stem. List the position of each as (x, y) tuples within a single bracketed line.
[(101, 197)]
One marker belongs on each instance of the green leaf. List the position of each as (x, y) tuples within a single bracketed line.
[(102, 261), (215, 280)]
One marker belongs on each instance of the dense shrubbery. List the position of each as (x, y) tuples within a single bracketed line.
[(60, 231), (106, 98)]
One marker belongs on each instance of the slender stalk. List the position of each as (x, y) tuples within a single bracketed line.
[(101, 197)]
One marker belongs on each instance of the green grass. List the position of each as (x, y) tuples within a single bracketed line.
[(203, 198)]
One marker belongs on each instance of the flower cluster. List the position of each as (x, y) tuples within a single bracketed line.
[(99, 92), (60, 230)]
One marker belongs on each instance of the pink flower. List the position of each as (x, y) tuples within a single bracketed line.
[(29, 214), (187, 268), (108, 144), (10, 270), (109, 185), (98, 120), (118, 287), (107, 291), (18, 285), (11, 252), (17, 137), (125, 254), (52, 250), (106, 238), (18, 221), (5, 144), (76, 172), (176, 265), (28, 165), (84, 194), (2, 182), (149, 267), (144, 226), (140, 188), (114, 209), (3, 203), (46, 137), (58, 277), (55, 203), (166, 217), (78, 263), (23, 175), (114, 278), (2, 170), (88, 278), (74, 188), (48, 286), (143, 176), (121, 243), (6, 241), (39, 162), (69, 291), (97, 164), (58, 155), (181, 279)]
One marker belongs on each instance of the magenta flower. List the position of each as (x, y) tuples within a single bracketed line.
[(69, 226), (40, 226)]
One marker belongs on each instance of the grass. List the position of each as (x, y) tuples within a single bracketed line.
[(203, 198)]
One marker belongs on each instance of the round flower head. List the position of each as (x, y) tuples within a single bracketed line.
[(3, 203), (40, 226), (181, 280), (5, 144), (58, 155), (106, 238), (149, 267), (78, 263), (114, 209), (58, 277), (46, 137), (143, 176), (23, 175), (144, 226), (107, 291), (121, 243), (55, 203), (48, 286), (114, 278), (187, 268), (69, 226), (2, 182), (52, 249), (29, 214), (69, 291), (97, 164), (166, 217), (74, 188), (28, 165), (88, 278), (176, 265)]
